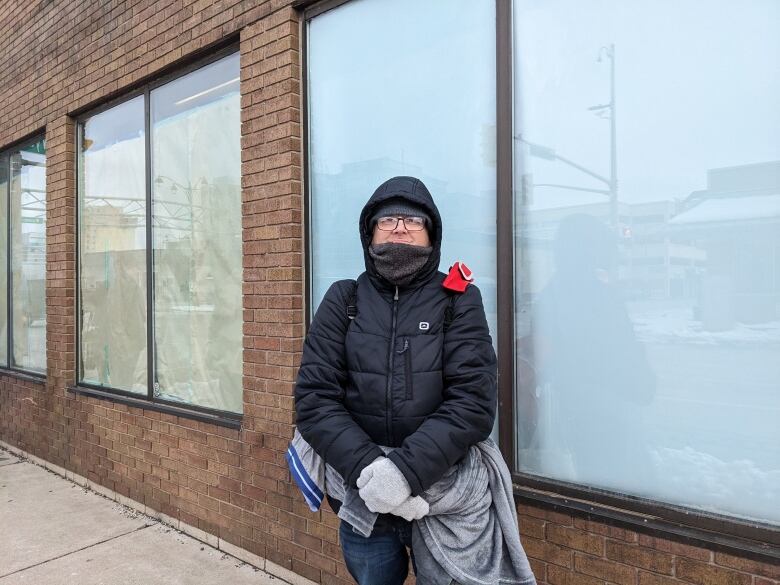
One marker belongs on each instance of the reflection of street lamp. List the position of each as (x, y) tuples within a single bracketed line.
[(601, 110), (613, 186), (171, 206)]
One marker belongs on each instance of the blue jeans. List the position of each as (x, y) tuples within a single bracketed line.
[(380, 559)]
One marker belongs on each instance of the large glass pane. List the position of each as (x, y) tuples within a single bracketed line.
[(196, 198), (3, 260), (648, 232), (415, 98), (112, 248), (28, 257)]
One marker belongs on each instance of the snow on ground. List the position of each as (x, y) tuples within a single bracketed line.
[(703, 481), (675, 325)]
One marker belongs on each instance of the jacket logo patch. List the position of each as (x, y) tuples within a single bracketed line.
[(424, 325)]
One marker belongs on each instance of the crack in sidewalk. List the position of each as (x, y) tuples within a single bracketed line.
[(77, 550)]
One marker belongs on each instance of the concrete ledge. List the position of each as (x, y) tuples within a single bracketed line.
[(237, 552)]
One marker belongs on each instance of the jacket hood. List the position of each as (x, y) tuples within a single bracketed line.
[(413, 190)]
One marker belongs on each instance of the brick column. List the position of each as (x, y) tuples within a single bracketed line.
[(273, 286), (60, 279)]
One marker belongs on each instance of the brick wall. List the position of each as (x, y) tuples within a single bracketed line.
[(571, 550), (60, 57)]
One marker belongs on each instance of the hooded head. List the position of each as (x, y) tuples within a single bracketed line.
[(402, 191), (583, 246)]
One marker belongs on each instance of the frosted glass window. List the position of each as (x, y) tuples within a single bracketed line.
[(28, 257), (196, 228), (194, 192), (415, 98), (112, 248), (3, 260), (647, 173)]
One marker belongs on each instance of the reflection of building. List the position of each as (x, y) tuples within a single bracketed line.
[(106, 227), (657, 263), (737, 220), (654, 262)]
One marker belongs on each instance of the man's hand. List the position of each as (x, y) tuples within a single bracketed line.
[(412, 509), (382, 486)]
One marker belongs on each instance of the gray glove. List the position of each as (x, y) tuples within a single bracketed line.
[(382, 486), (412, 509)]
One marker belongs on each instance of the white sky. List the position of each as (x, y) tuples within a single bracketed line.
[(697, 86)]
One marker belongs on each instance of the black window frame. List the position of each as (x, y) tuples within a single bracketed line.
[(755, 540), (150, 401), (5, 158)]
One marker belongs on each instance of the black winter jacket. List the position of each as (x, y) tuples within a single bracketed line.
[(391, 376)]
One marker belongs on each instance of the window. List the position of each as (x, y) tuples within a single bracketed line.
[(160, 189), (647, 215), (23, 257), (423, 107), (638, 179)]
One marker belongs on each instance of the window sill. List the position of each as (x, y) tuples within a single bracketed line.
[(231, 422), (25, 376), (741, 538)]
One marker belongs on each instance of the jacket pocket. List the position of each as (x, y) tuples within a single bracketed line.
[(406, 351), (408, 368)]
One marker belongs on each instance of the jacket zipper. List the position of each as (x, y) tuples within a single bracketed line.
[(407, 351), (389, 389)]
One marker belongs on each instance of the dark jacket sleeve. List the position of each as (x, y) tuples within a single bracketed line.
[(466, 414), (321, 416)]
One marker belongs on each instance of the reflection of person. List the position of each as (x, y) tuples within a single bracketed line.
[(586, 353), (389, 377)]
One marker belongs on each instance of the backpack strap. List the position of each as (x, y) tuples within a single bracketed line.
[(351, 306), (449, 312)]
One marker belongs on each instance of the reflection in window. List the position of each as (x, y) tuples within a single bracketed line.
[(648, 291), (427, 111), (3, 260), (196, 226), (112, 253), (27, 214), (196, 233)]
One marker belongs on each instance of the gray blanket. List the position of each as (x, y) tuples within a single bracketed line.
[(470, 535)]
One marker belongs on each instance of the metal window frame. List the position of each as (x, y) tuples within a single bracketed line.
[(305, 174), (9, 367), (665, 520), (150, 401)]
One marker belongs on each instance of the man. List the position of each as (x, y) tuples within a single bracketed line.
[(388, 374)]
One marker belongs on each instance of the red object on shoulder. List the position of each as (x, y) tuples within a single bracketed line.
[(459, 277)]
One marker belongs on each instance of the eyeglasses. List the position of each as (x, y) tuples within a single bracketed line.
[(412, 223)]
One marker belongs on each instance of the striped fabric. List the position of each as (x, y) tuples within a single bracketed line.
[(308, 485)]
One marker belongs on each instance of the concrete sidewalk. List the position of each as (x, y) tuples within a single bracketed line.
[(55, 532)]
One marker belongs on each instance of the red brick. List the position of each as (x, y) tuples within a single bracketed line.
[(548, 552), (675, 548), (655, 579), (560, 576), (576, 539), (631, 554), (701, 574), (604, 569), (748, 566)]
